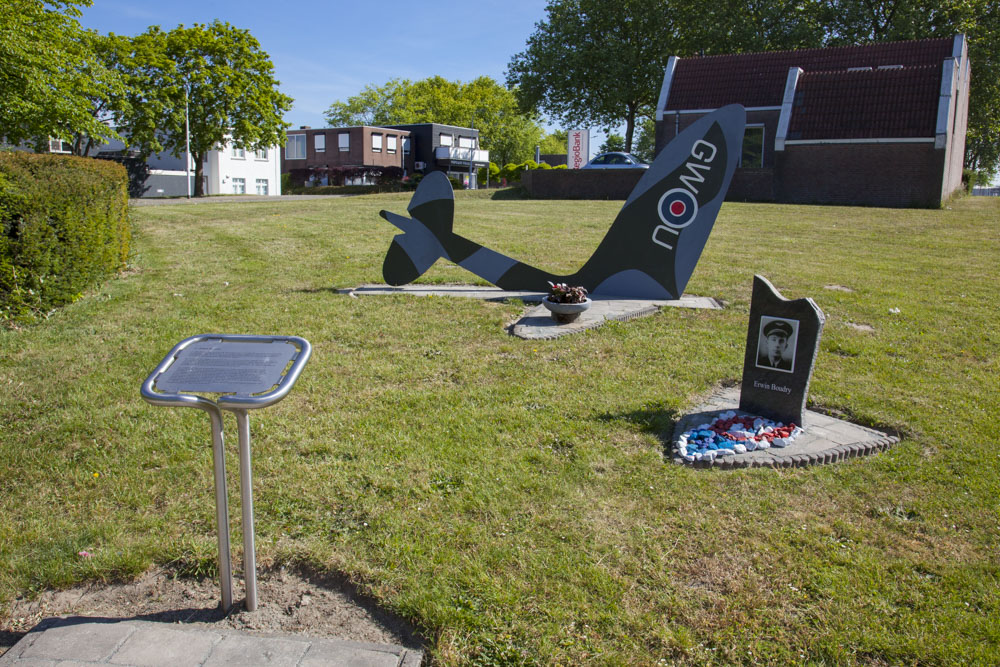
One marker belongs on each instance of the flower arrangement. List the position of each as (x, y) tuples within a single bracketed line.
[(563, 293)]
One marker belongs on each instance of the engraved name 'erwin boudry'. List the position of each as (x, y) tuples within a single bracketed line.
[(772, 387)]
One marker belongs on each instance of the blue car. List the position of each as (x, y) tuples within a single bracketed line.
[(616, 161)]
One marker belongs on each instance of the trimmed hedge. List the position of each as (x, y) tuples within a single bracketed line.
[(64, 225)]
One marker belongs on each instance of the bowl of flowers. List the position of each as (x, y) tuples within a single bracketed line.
[(566, 302)]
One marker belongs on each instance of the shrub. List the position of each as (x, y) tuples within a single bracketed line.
[(969, 179), (64, 225)]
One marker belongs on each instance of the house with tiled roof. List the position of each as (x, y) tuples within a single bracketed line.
[(874, 125)]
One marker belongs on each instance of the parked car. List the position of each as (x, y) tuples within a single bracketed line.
[(616, 161)]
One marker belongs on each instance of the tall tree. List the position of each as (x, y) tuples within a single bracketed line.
[(49, 76), (508, 133), (593, 62), (555, 143), (220, 74), (645, 144)]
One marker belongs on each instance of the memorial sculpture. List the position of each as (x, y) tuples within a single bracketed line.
[(649, 252), (782, 342)]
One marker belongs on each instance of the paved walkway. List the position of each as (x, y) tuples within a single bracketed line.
[(225, 199), (537, 323), (78, 640)]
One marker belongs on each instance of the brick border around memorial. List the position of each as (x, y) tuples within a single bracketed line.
[(834, 454), (810, 448)]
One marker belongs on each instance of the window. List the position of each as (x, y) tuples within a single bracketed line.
[(260, 154), (344, 141), (59, 146), (262, 186), (376, 143), (239, 186), (319, 143), (753, 147), (406, 145), (239, 153), (295, 149), (390, 143), (466, 142), (446, 140)]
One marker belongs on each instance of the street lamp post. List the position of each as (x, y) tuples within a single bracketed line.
[(187, 139)]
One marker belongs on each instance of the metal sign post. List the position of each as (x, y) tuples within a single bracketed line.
[(249, 372)]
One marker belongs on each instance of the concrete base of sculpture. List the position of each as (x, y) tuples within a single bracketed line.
[(826, 439), (536, 323)]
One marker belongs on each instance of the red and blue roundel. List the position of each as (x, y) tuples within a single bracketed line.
[(677, 207)]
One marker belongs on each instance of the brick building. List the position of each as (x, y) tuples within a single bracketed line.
[(352, 155), (875, 125), (358, 154)]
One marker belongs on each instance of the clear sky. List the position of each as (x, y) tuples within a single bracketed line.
[(327, 51)]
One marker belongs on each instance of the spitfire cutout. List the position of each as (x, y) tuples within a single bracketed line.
[(649, 252)]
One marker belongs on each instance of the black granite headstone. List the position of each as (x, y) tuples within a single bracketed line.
[(782, 341)]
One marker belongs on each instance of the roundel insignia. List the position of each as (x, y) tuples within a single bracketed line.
[(677, 207)]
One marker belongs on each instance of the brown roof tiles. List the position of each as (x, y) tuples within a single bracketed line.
[(758, 79), (869, 104)]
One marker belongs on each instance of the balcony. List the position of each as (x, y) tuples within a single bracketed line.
[(459, 157)]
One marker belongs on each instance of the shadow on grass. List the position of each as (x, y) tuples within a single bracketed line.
[(657, 419), (504, 194)]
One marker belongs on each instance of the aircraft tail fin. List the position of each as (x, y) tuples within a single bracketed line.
[(433, 203), (419, 246)]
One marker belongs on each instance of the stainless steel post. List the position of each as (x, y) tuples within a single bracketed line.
[(221, 507), (170, 384), (246, 502)]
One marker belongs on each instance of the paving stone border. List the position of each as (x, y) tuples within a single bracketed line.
[(79, 640), (826, 439)]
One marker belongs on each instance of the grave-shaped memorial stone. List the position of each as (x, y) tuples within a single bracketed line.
[(782, 341)]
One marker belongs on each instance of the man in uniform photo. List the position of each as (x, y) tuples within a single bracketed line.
[(772, 354)]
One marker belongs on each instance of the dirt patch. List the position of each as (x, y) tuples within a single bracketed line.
[(290, 601), (838, 288)]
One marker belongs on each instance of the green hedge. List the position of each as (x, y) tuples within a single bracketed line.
[(64, 225)]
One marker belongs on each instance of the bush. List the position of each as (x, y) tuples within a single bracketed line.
[(512, 172), (969, 179), (64, 225)]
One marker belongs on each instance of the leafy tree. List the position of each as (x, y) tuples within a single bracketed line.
[(224, 77), (614, 143), (372, 106), (557, 142), (749, 26), (645, 144), (597, 63), (49, 76), (484, 104)]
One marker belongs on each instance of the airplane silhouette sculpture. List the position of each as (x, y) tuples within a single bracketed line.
[(649, 252)]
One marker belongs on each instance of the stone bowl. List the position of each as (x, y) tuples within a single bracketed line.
[(565, 312)]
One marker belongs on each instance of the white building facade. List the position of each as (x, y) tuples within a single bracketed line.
[(238, 171)]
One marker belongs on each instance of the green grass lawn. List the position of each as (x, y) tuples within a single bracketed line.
[(511, 497)]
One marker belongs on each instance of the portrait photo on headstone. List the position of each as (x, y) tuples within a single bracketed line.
[(776, 343)]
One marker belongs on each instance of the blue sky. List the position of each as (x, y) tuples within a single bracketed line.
[(328, 51)]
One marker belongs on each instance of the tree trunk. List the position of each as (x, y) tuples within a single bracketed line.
[(199, 188), (629, 128)]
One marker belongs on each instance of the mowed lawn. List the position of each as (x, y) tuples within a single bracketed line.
[(511, 498)]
